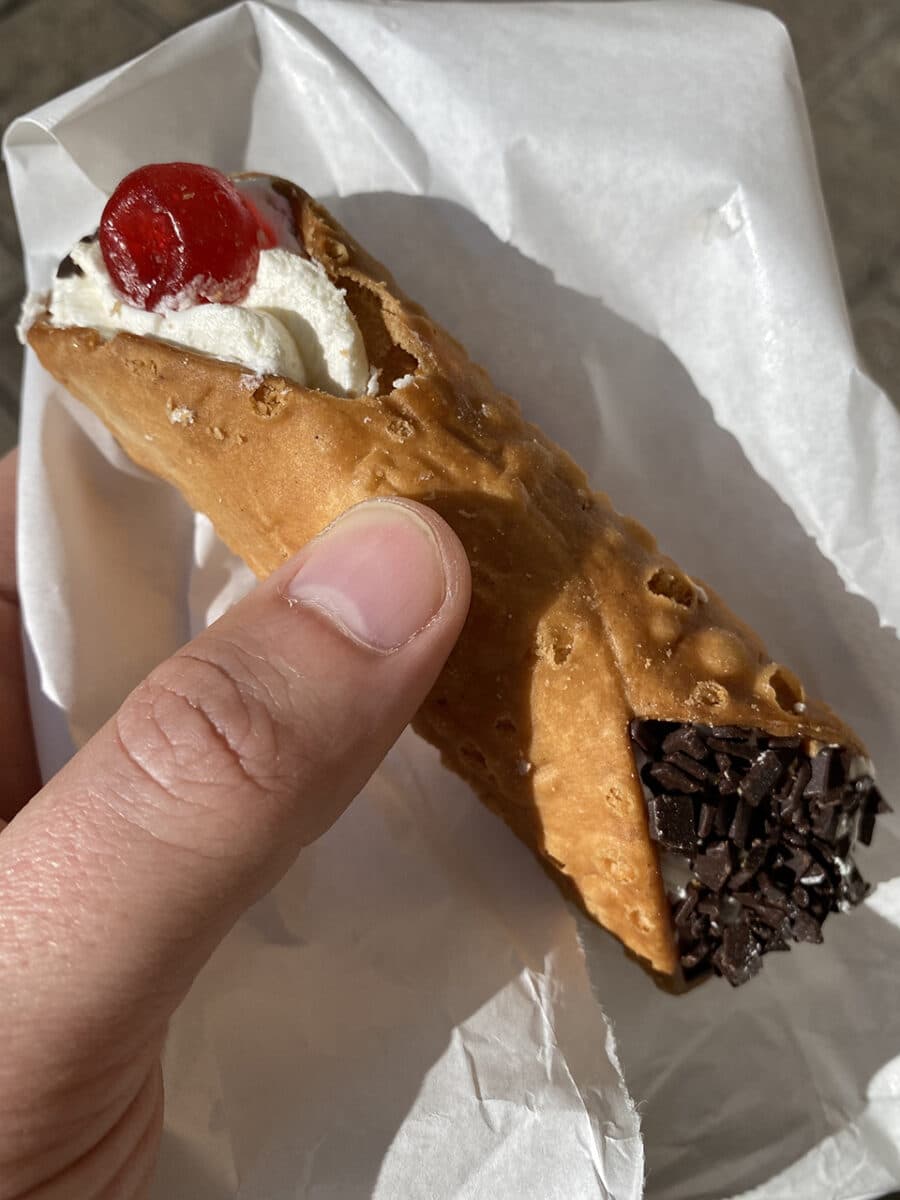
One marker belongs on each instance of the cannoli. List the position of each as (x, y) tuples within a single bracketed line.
[(677, 782)]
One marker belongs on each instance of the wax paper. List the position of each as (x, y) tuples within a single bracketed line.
[(615, 207)]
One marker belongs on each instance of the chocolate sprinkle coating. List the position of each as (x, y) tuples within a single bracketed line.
[(766, 830), (714, 866), (761, 778)]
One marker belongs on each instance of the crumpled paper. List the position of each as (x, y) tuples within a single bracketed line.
[(615, 208)]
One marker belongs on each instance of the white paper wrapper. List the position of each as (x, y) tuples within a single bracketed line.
[(615, 208)]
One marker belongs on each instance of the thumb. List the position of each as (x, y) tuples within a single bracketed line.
[(121, 875)]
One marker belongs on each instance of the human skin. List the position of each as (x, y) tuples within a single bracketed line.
[(120, 876)]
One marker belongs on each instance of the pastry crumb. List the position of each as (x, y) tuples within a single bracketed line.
[(180, 414)]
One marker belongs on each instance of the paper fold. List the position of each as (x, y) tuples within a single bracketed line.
[(615, 208)]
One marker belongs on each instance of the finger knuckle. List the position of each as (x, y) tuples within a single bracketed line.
[(206, 724)]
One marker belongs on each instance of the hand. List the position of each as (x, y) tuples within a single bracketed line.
[(119, 878), (18, 763)]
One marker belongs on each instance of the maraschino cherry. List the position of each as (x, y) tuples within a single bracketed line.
[(177, 233)]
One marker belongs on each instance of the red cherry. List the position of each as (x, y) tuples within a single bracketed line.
[(178, 233)]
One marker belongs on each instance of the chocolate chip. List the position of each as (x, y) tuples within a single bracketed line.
[(737, 749), (671, 821), (761, 778), (724, 815), (792, 799), (750, 865), (688, 765), (713, 867), (671, 779), (767, 913), (823, 774), (728, 783), (730, 732), (854, 888), (825, 819), (738, 958), (88, 238), (806, 928), (685, 909), (784, 743), (873, 804), (694, 957), (740, 824), (706, 820), (684, 740), (68, 268), (800, 896), (770, 890), (777, 943), (866, 826), (645, 735)]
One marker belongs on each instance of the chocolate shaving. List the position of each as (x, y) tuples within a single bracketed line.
[(728, 783), (714, 866), (873, 804), (685, 910), (767, 913), (784, 743), (740, 824), (761, 778), (706, 820), (738, 958), (767, 833), (750, 865), (672, 822), (825, 819), (738, 749), (724, 814), (671, 779), (688, 765), (68, 268), (790, 800), (821, 780), (684, 740), (806, 928), (644, 735), (866, 827)]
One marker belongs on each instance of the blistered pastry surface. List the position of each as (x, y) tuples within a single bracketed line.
[(577, 622)]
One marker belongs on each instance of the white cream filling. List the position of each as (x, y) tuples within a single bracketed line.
[(293, 322)]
